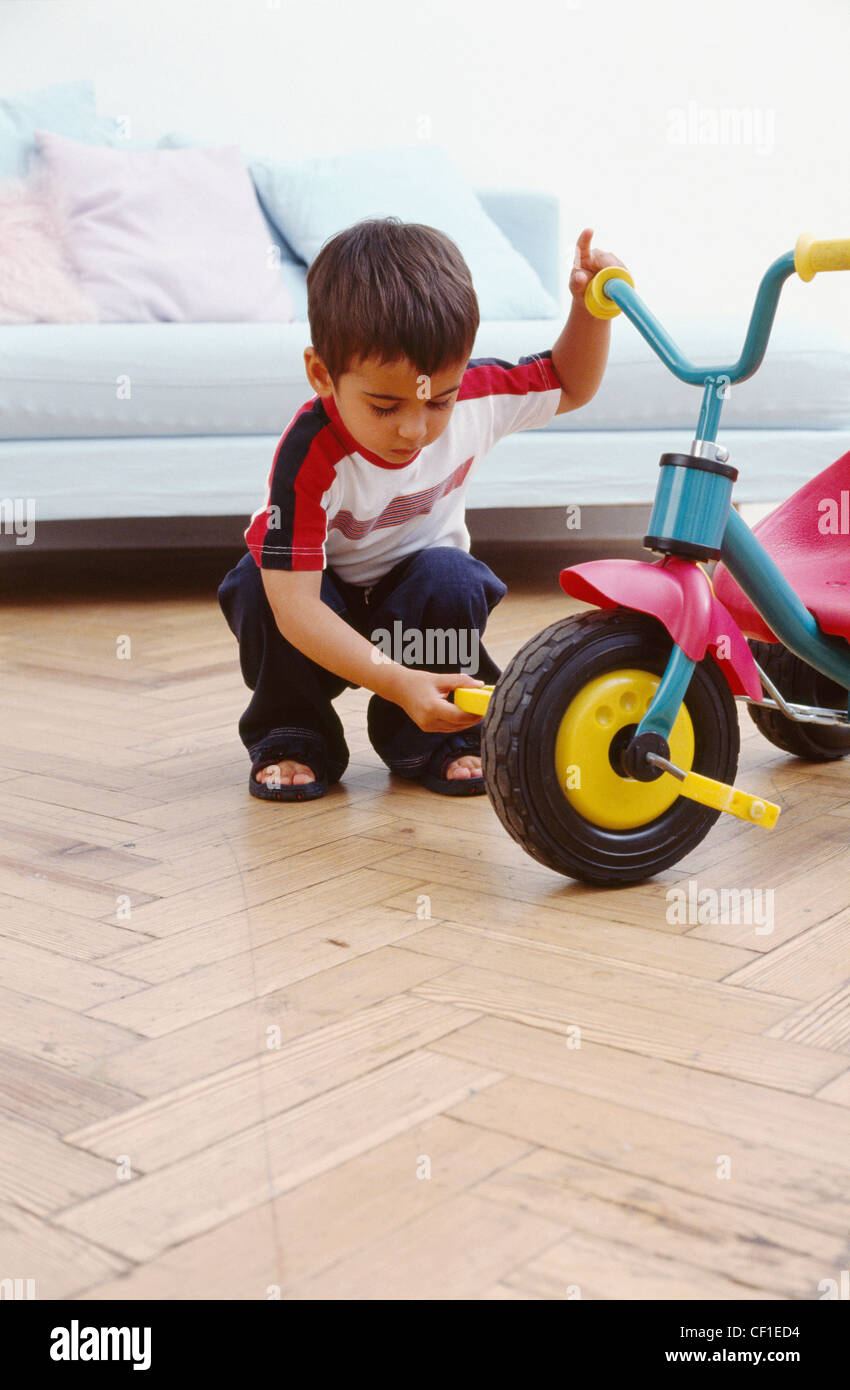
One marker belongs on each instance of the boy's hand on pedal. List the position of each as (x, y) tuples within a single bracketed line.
[(422, 695)]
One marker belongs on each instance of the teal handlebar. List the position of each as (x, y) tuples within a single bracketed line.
[(755, 343)]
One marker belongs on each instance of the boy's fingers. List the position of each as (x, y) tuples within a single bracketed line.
[(455, 682), (459, 718), (463, 685), (441, 726), (601, 259), (465, 723), (583, 246)]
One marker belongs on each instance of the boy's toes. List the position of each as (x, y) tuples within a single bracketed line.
[(301, 775), (467, 766), (286, 774)]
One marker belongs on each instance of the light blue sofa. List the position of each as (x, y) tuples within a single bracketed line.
[(177, 424)]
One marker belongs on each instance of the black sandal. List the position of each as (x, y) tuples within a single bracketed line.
[(434, 777), (304, 791)]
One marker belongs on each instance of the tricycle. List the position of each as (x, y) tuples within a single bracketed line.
[(610, 742)]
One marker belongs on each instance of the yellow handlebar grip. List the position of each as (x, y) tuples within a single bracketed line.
[(473, 698), (810, 256), (596, 301)]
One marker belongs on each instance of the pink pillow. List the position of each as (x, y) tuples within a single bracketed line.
[(36, 281), (172, 236)]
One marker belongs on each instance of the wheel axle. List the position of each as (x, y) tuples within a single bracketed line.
[(627, 754)]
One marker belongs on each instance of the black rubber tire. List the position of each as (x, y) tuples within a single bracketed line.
[(803, 685), (518, 742)]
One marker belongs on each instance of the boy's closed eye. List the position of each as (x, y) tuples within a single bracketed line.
[(391, 410)]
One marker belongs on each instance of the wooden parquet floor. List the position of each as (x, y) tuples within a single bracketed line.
[(365, 1047)]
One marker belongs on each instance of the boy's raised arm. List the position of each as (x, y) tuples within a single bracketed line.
[(581, 352)]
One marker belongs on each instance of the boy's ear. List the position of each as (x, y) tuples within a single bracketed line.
[(317, 373)]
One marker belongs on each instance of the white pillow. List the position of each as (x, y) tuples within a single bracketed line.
[(311, 199)]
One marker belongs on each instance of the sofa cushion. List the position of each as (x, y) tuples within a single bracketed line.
[(312, 199), (226, 475), (166, 235), (206, 379)]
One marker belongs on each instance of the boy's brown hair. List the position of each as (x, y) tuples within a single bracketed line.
[(391, 289)]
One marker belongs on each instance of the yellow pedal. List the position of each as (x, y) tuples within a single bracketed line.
[(473, 698), (720, 796)]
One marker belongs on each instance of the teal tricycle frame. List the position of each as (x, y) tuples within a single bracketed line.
[(684, 509), (585, 788)]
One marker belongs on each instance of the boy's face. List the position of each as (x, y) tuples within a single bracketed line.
[(391, 408)]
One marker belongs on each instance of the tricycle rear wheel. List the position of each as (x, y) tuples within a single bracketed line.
[(802, 685)]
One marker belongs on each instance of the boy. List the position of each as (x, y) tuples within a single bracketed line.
[(363, 535)]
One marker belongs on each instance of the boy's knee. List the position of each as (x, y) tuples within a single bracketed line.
[(242, 583), (457, 584)]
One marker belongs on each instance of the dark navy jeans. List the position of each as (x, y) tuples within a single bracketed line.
[(291, 712)]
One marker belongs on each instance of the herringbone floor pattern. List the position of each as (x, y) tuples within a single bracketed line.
[(331, 1049)]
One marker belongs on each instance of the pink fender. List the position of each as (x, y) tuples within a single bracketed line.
[(679, 594)]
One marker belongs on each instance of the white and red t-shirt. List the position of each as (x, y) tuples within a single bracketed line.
[(333, 504)]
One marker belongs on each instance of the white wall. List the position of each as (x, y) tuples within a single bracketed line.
[(576, 96)]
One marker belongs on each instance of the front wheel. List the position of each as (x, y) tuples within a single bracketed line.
[(570, 695)]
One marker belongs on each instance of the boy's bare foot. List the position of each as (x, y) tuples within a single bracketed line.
[(292, 774), (286, 774), (467, 766)]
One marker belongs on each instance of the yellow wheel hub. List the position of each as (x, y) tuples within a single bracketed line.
[(590, 784)]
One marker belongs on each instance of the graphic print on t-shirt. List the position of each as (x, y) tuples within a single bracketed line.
[(401, 508)]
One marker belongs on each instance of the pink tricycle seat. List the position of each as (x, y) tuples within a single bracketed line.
[(808, 537)]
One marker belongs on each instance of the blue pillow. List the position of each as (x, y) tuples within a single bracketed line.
[(68, 108), (294, 276), (311, 199)]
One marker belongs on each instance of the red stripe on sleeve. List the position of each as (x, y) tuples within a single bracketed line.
[(289, 531), (494, 378)]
